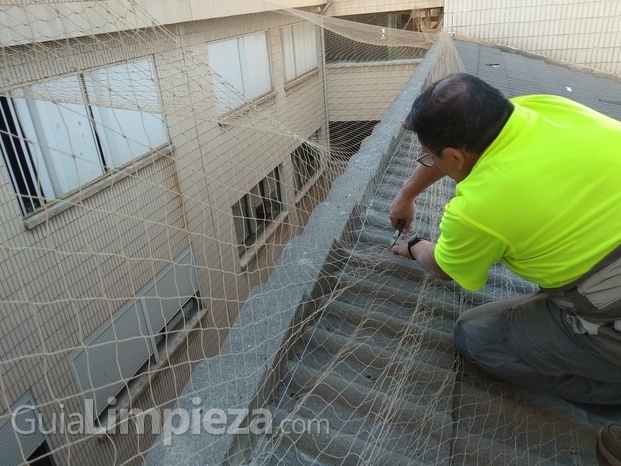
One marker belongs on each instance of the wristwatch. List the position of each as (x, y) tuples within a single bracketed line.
[(412, 242)]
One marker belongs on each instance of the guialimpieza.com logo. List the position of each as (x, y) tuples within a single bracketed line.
[(168, 422)]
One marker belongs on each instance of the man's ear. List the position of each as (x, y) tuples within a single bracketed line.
[(456, 157)]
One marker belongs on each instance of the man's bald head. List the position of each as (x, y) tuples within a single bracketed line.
[(460, 111)]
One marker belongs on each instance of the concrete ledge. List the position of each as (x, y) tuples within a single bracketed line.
[(244, 374)]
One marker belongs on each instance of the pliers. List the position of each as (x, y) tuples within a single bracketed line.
[(398, 231)]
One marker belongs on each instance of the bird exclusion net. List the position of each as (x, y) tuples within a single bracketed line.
[(155, 165)]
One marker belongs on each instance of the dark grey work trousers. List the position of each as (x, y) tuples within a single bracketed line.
[(562, 341)]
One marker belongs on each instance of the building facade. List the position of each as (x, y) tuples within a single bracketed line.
[(140, 204)]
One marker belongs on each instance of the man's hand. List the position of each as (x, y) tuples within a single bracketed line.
[(404, 205), (401, 247), (403, 208)]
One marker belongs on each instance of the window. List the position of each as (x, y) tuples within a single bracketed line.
[(122, 347), (257, 209), (21, 435), (243, 69), (42, 456), (306, 161), (299, 49), (52, 148), (177, 323)]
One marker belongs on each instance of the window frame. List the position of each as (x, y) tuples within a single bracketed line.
[(29, 161), (251, 219)]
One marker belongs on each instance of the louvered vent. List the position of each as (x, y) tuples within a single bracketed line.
[(117, 349), (26, 420)]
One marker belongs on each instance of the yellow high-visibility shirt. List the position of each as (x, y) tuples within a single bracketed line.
[(544, 198)]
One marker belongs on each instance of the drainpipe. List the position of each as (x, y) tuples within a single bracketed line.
[(325, 80), (325, 8), (325, 87)]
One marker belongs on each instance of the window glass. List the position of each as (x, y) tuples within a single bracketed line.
[(228, 85), (257, 211), (255, 60), (240, 220), (271, 196), (299, 49), (288, 53), (19, 160), (310, 46), (125, 134), (64, 141), (243, 69), (306, 160)]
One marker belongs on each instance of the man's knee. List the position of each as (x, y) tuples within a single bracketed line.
[(461, 337), (480, 337), (480, 331)]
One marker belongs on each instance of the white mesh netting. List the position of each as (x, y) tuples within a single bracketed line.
[(151, 177)]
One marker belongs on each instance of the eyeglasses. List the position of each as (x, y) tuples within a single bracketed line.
[(427, 159)]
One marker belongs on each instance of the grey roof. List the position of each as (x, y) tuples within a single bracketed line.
[(518, 74)]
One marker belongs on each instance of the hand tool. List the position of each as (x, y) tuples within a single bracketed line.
[(398, 231)]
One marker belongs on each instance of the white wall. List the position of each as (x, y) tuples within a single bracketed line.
[(357, 7), (34, 21), (364, 92), (576, 31)]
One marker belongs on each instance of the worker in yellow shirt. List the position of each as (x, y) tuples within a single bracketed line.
[(538, 189)]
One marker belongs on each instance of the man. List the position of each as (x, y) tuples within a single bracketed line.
[(538, 189)]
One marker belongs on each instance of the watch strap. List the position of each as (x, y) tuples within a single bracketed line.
[(412, 242)]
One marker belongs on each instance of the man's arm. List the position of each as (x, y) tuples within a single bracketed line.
[(423, 252), (402, 207)]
